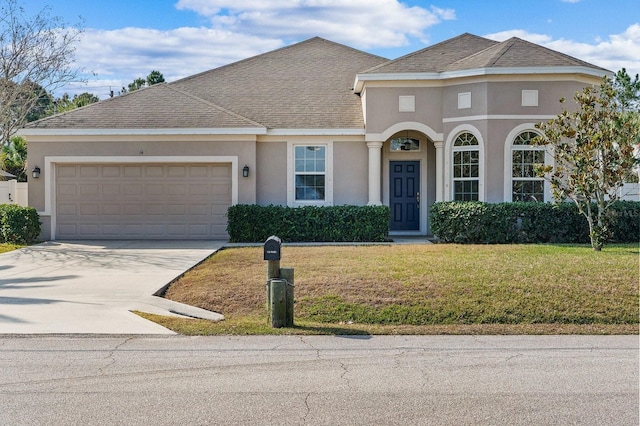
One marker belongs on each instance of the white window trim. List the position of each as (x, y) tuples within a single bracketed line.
[(508, 160), (448, 164), (328, 173)]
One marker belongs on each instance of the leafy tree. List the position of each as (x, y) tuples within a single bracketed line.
[(13, 158), (36, 58), (627, 90), (65, 103), (154, 77), (593, 152)]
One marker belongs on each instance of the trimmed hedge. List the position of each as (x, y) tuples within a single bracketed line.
[(18, 225), (504, 223), (253, 223)]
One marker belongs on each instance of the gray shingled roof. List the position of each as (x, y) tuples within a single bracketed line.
[(159, 106), (307, 85), (435, 58), (304, 86), (516, 53)]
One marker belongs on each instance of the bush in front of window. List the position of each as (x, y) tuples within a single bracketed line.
[(521, 222), (18, 225), (253, 223)]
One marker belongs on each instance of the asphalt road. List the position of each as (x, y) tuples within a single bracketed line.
[(324, 380)]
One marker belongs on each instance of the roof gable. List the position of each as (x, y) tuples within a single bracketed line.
[(435, 58), (517, 53), (307, 85)]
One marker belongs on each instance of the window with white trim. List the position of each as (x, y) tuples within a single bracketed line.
[(525, 184), (310, 172), (466, 168)]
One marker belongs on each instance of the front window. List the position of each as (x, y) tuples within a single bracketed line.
[(466, 168), (525, 184), (310, 166)]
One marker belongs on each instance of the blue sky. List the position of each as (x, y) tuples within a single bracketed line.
[(125, 39)]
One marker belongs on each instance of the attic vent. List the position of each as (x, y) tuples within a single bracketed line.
[(464, 100), (407, 104), (529, 98)]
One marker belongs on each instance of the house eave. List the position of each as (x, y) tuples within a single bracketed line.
[(316, 132), (361, 79), (191, 131), (144, 132)]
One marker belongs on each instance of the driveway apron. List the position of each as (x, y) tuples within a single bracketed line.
[(91, 287)]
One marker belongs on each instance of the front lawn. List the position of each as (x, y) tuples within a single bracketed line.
[(422, 289)]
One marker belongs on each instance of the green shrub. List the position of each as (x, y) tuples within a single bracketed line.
[(503, 223), (253, 223), (18, 225)]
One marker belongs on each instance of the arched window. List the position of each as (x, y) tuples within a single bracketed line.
[(466, 168), (525, 184)]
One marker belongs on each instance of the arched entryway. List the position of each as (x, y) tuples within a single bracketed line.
[(405, 170)]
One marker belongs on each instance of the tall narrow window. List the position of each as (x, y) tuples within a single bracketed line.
[(525, 184), (466, 168), (310, 166)]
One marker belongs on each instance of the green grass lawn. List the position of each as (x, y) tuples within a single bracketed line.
[(422, 289), (5, 247)]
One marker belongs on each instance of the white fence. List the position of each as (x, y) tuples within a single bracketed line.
[(630, 192), (13, 192)]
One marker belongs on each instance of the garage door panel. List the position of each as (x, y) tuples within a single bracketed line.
[(221, 172), (198, 171), (89, 209), (154, 171), (142, 201), (89, 171), (111, 209), (111, 171), (67, 209), (132, 171), (134, 189), (66, 171), (111, 230), (88, 191), (66, 189)]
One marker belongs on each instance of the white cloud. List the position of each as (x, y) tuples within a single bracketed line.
[(364, 24), (613, 52), (116, 57)]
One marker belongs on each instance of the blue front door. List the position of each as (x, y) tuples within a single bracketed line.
[(404, 197)]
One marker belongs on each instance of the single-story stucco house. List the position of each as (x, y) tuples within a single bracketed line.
[(314, 123)]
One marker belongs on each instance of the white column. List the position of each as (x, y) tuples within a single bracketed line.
[(439, 170), (375, 173)]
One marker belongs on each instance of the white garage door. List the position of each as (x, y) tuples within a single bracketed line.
[(142, 201)]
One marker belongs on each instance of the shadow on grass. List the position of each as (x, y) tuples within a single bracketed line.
[(331, 330)]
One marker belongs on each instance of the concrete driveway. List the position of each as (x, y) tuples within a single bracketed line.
[(91, 287)]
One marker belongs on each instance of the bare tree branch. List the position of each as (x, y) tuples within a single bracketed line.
[(36, 58)]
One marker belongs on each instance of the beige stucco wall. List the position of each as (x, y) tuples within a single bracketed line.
[(350, 173), (271, 173), (382, 107)]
